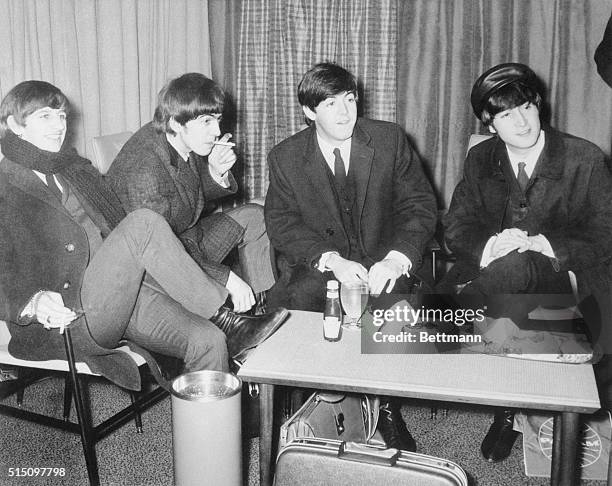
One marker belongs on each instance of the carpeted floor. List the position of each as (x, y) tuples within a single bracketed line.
[(128, 458)]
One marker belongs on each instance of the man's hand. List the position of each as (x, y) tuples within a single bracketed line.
[(240, 293), (380, 273), (535, 244), (50, 311), (346, 270), (222, 158), (509, 240)]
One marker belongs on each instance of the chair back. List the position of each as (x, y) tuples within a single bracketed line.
[(475, 139), (105, 149)]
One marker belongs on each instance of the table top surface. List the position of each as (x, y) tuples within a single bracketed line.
[(297, 355)]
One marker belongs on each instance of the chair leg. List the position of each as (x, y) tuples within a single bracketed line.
[(67, 397), (19, 396), (137, 416), (86, 429), (609, 481), (434, 411)]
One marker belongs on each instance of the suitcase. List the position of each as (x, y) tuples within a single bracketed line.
[(338, 416), (315, 461)]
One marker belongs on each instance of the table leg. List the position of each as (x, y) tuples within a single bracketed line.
[(565, 449), (609, 481), (266, 416)]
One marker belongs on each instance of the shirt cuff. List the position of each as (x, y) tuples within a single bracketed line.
[(29, 311), (402, 259), (546, 247), (223, 181), (486, 258)]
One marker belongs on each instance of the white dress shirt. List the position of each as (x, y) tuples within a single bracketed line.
[(43, 178)]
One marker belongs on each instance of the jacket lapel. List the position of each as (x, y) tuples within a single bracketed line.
[(186, 183), (549, 165), (360, 165), (314, 167), (27, 181)]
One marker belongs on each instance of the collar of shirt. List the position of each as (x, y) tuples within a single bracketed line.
[(530, 159), (327, 149), (43, 178), (174, 152)]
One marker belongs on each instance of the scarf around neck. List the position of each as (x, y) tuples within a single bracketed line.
[(30, 156), (76, 170)]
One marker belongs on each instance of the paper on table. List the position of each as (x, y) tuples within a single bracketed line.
[(502, 336)]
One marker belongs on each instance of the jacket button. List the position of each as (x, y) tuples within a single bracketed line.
[(66, 284), (329, 231), (69, 247)]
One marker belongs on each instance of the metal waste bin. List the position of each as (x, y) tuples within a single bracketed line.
[(206, 429)]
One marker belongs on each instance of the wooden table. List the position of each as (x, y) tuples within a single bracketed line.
[(297, 355)]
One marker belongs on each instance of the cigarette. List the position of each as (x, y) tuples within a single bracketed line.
[(225, 144)]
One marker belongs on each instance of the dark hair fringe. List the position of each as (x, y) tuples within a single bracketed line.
[(323, 81), (508, 97), (27, 97), (186, 98)]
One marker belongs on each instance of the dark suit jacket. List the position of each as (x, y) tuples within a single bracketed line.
[(143, 176), (571, 193), (603, 55), (42, 247), (395, 203)]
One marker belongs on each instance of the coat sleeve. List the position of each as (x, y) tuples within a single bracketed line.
[(413, 205), (211, 189), (22, 273), (138, 186), (585, 241), (12, 300), (285, 225), (465, 230), (603, 55)]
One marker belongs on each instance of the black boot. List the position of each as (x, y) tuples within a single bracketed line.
[(392, 427), (498, 442), (246, 332)]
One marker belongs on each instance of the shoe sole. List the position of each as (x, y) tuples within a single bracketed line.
[(280, 319)]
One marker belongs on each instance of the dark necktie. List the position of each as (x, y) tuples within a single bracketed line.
[(52, 185), (339, 170), (523, 178), (193, 165)]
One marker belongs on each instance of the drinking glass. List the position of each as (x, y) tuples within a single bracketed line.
[(354, 298)]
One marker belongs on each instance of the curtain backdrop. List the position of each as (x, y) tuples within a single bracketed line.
[(276, 41), (109, 57), (417, 60), (445, 45)]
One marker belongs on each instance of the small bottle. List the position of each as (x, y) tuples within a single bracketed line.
[(332, 315)]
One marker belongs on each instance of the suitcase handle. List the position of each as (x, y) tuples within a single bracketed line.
[(352, 451)]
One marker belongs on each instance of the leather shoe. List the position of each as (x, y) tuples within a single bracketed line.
[(393, 429), (498, 442), (246, 332)]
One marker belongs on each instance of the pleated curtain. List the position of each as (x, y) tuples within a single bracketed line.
[(110, 57)]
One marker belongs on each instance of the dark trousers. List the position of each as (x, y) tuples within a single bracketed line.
[(142, 285), (512, 286), (254, 248)]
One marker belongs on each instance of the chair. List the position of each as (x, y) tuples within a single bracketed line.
[(106, 147), (75, 381), (76, 373)]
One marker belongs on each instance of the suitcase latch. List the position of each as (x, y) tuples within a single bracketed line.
[(339, 419)]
